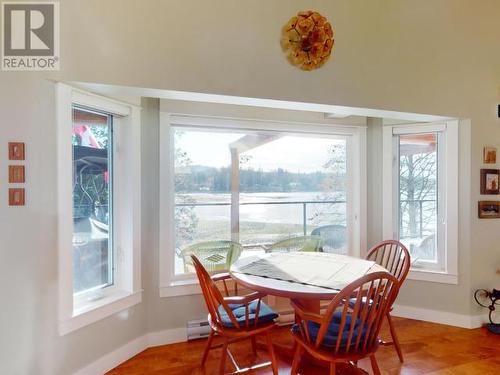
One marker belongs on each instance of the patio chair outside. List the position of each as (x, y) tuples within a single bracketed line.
[(333, 236), (215, 256), (293, 244)]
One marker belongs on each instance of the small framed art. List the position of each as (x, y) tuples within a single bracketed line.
[(16, 197), (490, 155), (16, 174), (489, 209), (489, 181), (16, 150)]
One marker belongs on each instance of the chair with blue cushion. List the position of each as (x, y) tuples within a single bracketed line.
[(346, 332), (234, 318)]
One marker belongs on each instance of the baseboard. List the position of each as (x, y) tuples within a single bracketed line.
[(479, 320), (116, 357), (168, 336), (132, 348), (441, 317)]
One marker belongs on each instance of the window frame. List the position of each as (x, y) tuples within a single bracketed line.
[(445, 271), (80, 309), (186, 284)]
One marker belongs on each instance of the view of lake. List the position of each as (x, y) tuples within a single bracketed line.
[(284, 208), (264, 217)]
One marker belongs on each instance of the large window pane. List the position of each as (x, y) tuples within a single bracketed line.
[(256, 188), (418, 194), (92, 203)]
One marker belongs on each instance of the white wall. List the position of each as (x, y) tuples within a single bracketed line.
[(436, 57)]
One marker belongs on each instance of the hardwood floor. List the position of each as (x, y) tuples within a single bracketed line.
[(428, 349)]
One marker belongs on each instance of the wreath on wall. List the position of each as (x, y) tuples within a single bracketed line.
[(307, 39)]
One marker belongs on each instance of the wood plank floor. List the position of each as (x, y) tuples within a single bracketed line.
[(428, 348)]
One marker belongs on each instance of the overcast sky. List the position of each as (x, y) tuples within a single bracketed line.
[(291, 152)]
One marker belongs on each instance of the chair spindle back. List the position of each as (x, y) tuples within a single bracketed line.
[(359, 324), (393, 256)]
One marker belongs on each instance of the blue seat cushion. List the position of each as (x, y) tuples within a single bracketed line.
[(266, 314), (330, 339)]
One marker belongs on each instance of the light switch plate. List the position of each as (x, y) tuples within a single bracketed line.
[(16, 174), (16, 197)]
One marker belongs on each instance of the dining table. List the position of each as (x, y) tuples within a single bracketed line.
[(304, 277)]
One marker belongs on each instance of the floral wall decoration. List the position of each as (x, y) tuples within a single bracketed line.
[(307, 39)]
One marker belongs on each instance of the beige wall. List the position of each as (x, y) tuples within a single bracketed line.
[(438, 57)]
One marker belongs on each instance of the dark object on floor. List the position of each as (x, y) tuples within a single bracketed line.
[(494, 328), (490, 300)]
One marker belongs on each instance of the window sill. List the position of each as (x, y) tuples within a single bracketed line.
[(433, 276), (97, 310), (190, 286), (178, 288)]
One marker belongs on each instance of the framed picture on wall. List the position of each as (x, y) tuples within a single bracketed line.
[(489, 181), (489, 209), (490, 155)]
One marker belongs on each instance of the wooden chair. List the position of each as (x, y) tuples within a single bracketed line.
[(395, 257), (346, 332), (234, 318)]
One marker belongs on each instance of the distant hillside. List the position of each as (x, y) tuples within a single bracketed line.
[(196, 178)]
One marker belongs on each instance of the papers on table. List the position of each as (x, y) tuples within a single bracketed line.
[(318, 269)]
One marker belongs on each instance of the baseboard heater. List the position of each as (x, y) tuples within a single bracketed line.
[(286, 318), (197, 329)]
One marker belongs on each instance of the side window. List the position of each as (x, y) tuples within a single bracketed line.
[(93, 255), (99, 211), (419, 196)]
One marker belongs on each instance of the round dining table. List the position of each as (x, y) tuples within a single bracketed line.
[(344, 270), (286, 275)]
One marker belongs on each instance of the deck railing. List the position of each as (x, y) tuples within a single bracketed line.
[(302, 203)]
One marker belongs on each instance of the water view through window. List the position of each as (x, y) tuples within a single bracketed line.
[(257, 188)]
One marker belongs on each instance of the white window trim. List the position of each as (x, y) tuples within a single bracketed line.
[(450, 273), (75, 312), (177, 285)]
